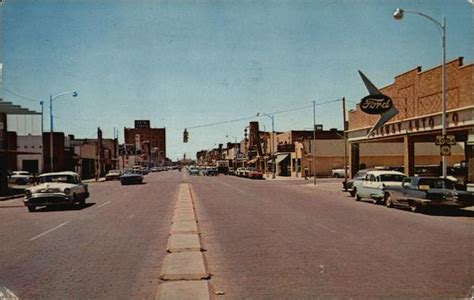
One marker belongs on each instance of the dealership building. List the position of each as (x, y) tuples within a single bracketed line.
[(408, 139)]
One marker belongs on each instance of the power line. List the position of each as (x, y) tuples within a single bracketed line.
[(21, 96), (222, 122), (303, 107)]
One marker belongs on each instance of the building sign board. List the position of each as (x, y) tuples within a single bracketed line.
[(376, 103), (445, 150)]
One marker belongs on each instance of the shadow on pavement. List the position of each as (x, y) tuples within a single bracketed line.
[(64, 207)]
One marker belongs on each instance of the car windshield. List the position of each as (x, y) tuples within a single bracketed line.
[(57, 178), (436, 183), (391, 177)]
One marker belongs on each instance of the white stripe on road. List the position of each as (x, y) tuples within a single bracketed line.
[(6, 294), (103, 204), (48, 231)]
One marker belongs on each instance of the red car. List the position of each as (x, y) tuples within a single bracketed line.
[(255, 174)]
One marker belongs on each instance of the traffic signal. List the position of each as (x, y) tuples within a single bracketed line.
[(185, 136)]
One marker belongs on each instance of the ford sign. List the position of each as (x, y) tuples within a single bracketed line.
[(375, 104)]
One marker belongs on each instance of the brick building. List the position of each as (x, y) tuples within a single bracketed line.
[(417, 95), (147, 140)]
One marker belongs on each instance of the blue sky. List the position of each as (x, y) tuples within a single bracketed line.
[(186, 63)]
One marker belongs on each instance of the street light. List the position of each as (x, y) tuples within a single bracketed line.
[(398, 15), (272, 117), (51, 98)]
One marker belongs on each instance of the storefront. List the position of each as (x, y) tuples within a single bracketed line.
[(417, 95)]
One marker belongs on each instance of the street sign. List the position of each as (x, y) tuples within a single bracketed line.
[(445, 140), (451, 140), (445, 150), (440, 140)]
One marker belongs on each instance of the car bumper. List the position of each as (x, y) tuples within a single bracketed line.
[(48, 199), (454, 204)]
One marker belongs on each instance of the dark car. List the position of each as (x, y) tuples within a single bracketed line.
[(255, 173), (421, 192), (131, 177)]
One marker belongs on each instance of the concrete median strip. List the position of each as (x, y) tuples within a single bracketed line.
[(184, 268)]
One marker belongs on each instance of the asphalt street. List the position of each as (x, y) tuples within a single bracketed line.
[(288, 240), (112, 249), (264, 239)]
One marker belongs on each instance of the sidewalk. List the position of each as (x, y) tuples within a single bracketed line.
[(101, 179)]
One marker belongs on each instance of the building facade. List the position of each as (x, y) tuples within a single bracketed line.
[(417, 95)]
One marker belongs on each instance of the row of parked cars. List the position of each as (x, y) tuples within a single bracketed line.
[(248, 172), (393, 188)]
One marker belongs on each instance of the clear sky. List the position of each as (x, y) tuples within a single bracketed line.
[(186, 63)]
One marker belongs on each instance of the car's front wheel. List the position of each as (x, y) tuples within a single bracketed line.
[(356, 195)]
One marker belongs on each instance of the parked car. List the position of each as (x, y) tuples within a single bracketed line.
[(193, 171), (210, 171), (21, 177), (239, 172), (113, 175), (56, 189), (421, 192), (255, 173), (349, 185), (372, 185), (339, 172), (231, 171), (131, 177)]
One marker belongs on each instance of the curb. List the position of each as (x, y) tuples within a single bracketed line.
[(184, 272), (11, 197)]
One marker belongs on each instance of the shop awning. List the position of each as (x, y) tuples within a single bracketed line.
[(281, 157), (252, 161)]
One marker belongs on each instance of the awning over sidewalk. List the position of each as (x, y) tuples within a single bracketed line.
[(252, 161), (281, 157)]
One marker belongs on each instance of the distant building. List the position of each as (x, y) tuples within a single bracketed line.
[(24, 140), (149, 143)]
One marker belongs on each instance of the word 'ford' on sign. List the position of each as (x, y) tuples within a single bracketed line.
[(375, 104)]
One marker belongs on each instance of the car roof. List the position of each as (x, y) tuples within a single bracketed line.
[(384, 172), (60, 173)]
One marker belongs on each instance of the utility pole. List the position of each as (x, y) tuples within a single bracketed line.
[(345, 138), (313, 144)]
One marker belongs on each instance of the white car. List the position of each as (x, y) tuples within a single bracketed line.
[(372, 184), (56, 189), (21, 177), (339, 173)]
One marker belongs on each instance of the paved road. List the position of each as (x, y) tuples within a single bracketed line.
[(265, 239), (290, 241), (112, 249)]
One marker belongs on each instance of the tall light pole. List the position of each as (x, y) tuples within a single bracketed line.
[(272, 117), (313, 146), (51, 129), (398, 15)]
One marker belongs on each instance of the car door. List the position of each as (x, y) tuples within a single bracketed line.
[(368, 185)]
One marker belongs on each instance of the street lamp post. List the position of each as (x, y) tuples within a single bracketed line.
[(51, 129), (398, 15), (272, 117)]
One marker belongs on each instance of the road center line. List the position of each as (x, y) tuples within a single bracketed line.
[(103, 204), (48, 231)]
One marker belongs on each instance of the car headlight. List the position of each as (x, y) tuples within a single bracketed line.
[(67, 191), (27, 193)]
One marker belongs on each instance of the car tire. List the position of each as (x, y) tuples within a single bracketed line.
[(31, 208), (388, 201), (414, 207), (82, 202), (357, 197), (375, 201)]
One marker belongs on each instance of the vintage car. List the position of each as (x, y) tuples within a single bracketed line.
[(56, 189), (422, 192), (113, 175), (349, 185), (255, 173), (210, 171), (373, 183), (21, 177), (131, 177)]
